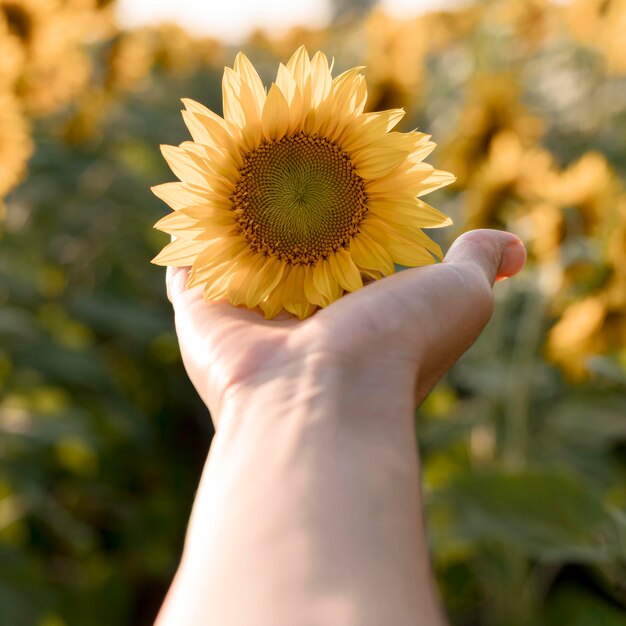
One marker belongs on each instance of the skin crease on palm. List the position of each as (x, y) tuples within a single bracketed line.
[(321, 411)]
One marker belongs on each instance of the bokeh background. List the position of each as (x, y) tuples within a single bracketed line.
[(102, 437)]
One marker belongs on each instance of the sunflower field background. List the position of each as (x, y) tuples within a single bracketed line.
[(101, 435)]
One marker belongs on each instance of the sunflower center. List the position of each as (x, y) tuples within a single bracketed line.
[(299, 198)]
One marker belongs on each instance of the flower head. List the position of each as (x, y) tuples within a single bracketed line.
[(296, 194)]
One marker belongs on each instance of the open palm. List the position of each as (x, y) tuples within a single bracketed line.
[(407, 329)]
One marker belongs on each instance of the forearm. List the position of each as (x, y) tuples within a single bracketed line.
[(309, 508)]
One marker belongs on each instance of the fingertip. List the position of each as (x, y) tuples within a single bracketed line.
[(499, 254), (513, 260)]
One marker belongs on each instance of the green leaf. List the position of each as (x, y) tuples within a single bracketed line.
[(547, 515)]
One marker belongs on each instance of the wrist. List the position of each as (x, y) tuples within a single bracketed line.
[(320, 390)]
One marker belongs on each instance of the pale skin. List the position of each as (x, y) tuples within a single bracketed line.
[(309, 509)]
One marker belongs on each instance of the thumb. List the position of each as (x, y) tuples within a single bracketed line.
[(463, 298), (495, 253)]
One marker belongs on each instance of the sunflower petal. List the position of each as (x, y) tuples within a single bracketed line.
[(326, 282), (411, 212), (373, 162), (369, 255), (369, 127), (345, 270), (402, 182), (231, 86), (320, 81), (179, 195), (437, 179), (275, 119), (266, 279), (300, 66), (247, 269), (180, 253), (249, 76), (184, 165), (294, 295)]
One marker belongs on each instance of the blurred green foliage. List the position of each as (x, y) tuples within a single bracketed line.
[(102, 438)]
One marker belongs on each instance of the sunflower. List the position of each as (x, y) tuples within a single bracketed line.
[(296, 194)]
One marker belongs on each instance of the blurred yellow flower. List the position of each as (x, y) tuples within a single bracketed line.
[(589, 185), (597, 323), (15, 143), (601, 24), (507, 171), (494, 107), (395, 59), (530, 22), (296, 193), (398, 47), (574, 335), (129, 60), (55, 66), (11, 57)]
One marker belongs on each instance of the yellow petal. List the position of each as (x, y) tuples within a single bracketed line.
[(403, 248), (319, 83), (369, 255), (423, 149), (179, 195), (180, 253), (287, 84), (251, 132), (312, 293), (211, 132), (176, 221), (233, 111), (249, 76), (275, 119), (207, 211), (247, 269), (212, 160), (368, 127), (374, 162), (184, 165), (220, 251), (195, 107), (411, 235), (342, 103), (326, 282), (300, 66), (218, 282), (273, 304), (345, 270), (218, 257), (410, 211), (295, 300), (402, 182), (438, 179), (266, 279)]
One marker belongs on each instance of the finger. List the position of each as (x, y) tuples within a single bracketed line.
[(497, 254)]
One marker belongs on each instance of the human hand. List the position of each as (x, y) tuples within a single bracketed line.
[(400, 333)]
